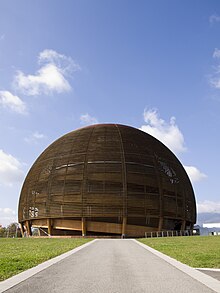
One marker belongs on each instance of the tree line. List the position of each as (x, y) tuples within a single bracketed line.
[(11, 231)]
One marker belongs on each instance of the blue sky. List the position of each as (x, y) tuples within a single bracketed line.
[(154, 65)]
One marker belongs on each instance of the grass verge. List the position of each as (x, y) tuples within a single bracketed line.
[(20, 254), (196, 251)]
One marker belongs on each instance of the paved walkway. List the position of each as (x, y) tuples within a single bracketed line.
[(113, 266), (214, 273)]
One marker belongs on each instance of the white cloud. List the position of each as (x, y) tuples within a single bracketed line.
[(208, 207), (214, 18), (86, 119), (2, 37), (66, 64), (166, 132), (38, 135), (215, 82), (50, 78), (170, 134), (215, 77), (10, 169), (194, 174), (14, 103), (216, 53), (7, 211), (35, 137), (7, 216)]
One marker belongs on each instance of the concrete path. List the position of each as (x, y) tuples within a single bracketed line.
[(113, 266), (214, 273)]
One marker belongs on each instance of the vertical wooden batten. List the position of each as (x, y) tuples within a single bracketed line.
[(124, 224), (50, 227), (28, 228), (83, 226)]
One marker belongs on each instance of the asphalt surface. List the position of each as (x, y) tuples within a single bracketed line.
[(111, 266), (212, 273)]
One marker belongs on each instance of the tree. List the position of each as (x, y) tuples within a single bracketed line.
[(3, 232), (12, 230)]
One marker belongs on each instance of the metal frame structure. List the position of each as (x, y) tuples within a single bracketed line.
[(107, 179)]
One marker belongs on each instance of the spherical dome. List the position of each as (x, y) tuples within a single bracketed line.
[(110, 179)]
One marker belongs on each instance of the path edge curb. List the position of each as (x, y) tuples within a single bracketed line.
[(208, 281), (16, 279)]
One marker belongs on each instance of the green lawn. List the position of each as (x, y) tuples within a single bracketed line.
[(19, 254), (195, 251)]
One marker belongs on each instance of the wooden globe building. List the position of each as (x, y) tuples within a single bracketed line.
[(107, 179)]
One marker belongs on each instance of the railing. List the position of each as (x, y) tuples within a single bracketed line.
[(170, 233)]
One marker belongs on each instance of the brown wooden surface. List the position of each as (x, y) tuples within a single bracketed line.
[(106, 173)]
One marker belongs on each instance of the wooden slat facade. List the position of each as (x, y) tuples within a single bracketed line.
[(105, 177)]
